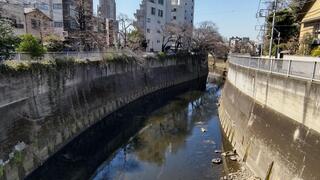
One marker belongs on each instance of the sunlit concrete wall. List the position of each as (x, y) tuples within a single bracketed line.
[(273, 122)]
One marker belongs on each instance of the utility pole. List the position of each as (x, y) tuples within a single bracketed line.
[(274, 8)]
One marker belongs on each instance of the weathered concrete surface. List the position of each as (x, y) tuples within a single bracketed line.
[(46, 110), (273, 122)]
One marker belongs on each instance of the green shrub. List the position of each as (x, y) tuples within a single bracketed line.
[(8, 41), (114, 57), (1, 171), (315, 52), (31, 45), (161, 55)]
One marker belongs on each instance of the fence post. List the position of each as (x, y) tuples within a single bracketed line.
[(258, 66), (19, 56), (271, 65), (314, 70), (289, 68)]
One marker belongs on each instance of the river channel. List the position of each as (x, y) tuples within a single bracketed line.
[(176, 141)]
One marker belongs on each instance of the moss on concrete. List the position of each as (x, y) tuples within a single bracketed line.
[(1, 171)]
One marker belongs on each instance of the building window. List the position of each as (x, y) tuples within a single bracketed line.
[(153, 11), (151, 1), (148, 20), (174, 17), (58, 24), (148, 30), (174, 10), (34, 24), (43, 6), (57, 6), (160, 2), (160, 13), (158, 41)]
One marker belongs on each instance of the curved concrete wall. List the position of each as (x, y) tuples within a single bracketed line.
[(42, 112), (273, 122)]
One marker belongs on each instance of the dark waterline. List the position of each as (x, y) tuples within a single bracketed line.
[(171, 144), (81, 156)]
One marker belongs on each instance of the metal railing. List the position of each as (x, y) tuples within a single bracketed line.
[(302, 69)]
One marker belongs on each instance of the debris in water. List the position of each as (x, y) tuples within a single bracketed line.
[(209, 142), (20, 146), (218, 151), (234, 158), (216, 161), (199, 123), (203, 130)]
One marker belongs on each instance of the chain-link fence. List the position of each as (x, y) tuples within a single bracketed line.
[(302, 69)]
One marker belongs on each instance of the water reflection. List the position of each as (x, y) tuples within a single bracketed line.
[(171, 145)]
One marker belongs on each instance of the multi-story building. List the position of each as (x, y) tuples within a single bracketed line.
[(151, 18), (180, 12), (26, 20), (153, 15), (54, 10), (107, 9), (37, 23)]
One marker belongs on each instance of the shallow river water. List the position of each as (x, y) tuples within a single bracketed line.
[(176, 142)]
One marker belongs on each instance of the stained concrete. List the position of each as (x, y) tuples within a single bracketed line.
[(272, 119), (47, 109)]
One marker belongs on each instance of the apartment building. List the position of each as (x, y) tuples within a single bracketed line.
[(153, 15), (180, 12)]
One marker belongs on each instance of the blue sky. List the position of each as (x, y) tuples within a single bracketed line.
[(233, 17)]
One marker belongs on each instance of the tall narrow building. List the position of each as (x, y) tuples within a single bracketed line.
[(107, 9), (151, 18)]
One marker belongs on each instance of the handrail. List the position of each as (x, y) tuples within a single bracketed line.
[(302, 69)]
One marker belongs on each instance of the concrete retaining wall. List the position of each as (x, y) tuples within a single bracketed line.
[(273, 122), (46, 110)]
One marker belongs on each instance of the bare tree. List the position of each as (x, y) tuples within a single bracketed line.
[(178, 36), (137, 40), (207, 39), (84, 34), (125, 27)]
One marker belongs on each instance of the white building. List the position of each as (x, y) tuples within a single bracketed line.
[(151, 18), (54, 10), (154, 14), (180, 12)]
